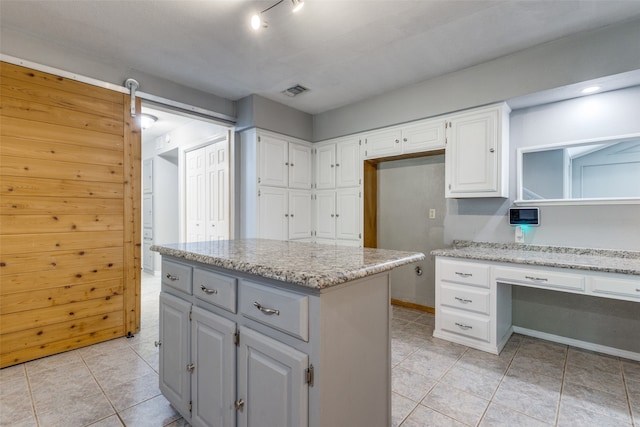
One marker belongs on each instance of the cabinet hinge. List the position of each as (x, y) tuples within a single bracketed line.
[(259, 180), (236, 338), (445, 141), (360, 194), (309, 373), (190, 405), (359, 235), (258, 193), (359, 142), (190, 315), (259, 139)]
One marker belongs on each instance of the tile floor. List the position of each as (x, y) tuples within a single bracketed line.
[(435, 383)]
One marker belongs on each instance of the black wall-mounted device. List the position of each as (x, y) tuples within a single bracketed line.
[(524, 216)]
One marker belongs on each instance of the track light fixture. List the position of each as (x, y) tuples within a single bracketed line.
[(257, 20)]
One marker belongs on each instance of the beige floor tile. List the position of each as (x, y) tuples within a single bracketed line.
[(480, 384), (534, 395), (501, 416), (12, 372), (154, 412), (571, 416), (423, 416), (427, 363), (401, 407), (15, 401), (631, 370), (112, 421), (80, 411), (133, 392), (593, 378), (601, 402), (457, 404), (410, 384), (601, 362)]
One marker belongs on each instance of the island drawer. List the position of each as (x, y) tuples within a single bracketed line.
[(467, 325), (282, 310), (467, 273), (176, 275), (214, 288), (465, 298), (626, 288)]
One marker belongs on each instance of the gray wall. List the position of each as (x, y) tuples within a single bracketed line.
[(259, 112), (407, 189), (585, 56), (48, 52)]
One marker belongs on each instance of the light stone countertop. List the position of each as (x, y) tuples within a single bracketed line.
[(610, 261), (310, 265)]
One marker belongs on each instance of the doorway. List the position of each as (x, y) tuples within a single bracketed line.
[(167, 197), (405, 209)]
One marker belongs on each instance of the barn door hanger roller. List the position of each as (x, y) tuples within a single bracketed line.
[(258, 22), (132, 85)]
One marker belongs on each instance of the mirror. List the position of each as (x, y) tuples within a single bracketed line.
[(605, 169)]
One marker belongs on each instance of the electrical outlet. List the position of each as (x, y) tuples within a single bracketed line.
[(432, 214)]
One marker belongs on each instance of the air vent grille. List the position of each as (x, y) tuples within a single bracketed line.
[(295, 90)]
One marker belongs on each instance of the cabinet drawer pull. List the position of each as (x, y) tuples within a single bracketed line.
[(172, 278), (265, 310), (637, 289), (462, 300), (539, 279), (208, 291), (464, 274), (463, 327)]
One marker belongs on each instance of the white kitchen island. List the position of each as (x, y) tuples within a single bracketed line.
[(274, 333)]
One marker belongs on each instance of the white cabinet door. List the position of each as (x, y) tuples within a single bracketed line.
[(348, 163), (175, 380), (383, 143), (273, 167), (299, 211), (348, 214), (475, 160), (147, 176), (299, 166), (326, 167), (214, 360), (272, 213), (147, 211), (271, 383), (424, 136), (217, 191), (147, 256), (326, 214), (195, 194)]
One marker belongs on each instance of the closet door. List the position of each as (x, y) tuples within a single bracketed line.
[(196, 194)]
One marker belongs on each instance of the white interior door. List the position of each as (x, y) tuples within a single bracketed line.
[(196, 195), (217, 170)]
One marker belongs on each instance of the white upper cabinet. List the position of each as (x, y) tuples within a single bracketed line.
[(425, 135), (299, 164), (338, 164), (348, 163), (476, 159), (273, 168)]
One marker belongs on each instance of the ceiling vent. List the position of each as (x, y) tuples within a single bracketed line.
[(295, 90)]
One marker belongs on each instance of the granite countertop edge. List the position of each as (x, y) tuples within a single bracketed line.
[(287, 275), (601, 260)]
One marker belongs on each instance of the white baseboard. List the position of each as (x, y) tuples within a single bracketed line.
[(577, 343)]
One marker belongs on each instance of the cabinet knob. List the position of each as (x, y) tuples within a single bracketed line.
[(239, 404), (337, 215), (332, 215), (291, 164), (191, 367), (291, 215), (337, 164), (157, 343), (287, 215), (397, 141), (405, 139), (332, 165), (286, 163), (491, 150)]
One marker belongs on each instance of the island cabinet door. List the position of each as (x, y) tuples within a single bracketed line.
[(213, 356), (272, 388), (175, 379)]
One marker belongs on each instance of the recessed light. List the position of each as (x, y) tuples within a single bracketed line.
[(591, 89)]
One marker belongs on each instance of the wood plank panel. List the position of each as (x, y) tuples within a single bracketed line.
[(50, 169), (75, 341), (41, 298), (24, 224), (57, 151), (42, 261), (40, 318), (28, 205), (30, 91), (34, 280), (46, 132), (24, 243), (37, 337), (34, 111), (132, 215), (60, 188), (370, 204), (56, 82)]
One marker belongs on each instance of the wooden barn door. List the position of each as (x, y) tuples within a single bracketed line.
[(69, 215)]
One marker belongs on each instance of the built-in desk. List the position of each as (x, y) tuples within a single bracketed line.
[(474, 281)]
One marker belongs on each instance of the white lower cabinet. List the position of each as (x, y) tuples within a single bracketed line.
[(240, 350), (284, 214), (338, 215)]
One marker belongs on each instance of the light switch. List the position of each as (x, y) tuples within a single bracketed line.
[(432, 214), (519, 234)]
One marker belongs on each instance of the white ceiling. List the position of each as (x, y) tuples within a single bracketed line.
[(343, 50)]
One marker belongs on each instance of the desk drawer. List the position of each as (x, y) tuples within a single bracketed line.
[(215, 288), (465, 298), (467, 325), (464, 272), (540, 278), (621, 287), (178, 276), (286, 311)]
